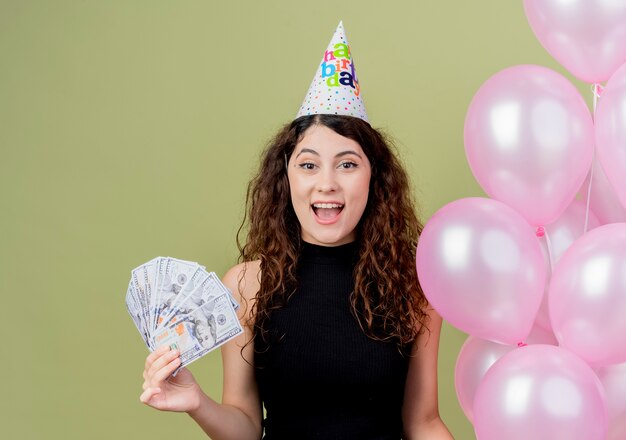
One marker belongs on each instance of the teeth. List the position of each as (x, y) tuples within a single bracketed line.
[(327, 205)]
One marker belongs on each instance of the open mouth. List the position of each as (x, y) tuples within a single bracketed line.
[(327, 211)]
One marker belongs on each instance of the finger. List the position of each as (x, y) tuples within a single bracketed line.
[(148, 394), (160, 363), (167, 370), (155, 355)]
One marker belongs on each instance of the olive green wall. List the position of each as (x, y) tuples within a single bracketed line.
[(128, 129)]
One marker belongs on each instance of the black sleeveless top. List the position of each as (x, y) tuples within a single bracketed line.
[(319, 376)]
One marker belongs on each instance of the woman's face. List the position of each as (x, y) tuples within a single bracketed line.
[(329, 177)]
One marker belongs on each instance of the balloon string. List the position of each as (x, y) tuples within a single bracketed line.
[(589, 193), (596, 90), (549, 246), (542, 232)]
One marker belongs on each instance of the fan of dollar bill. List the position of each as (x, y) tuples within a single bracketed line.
[(179, 303)]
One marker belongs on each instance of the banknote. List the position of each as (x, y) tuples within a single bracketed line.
[(135, 311), (142, 280), (203, 287), (179, 303), (172, 275), (202, 330)]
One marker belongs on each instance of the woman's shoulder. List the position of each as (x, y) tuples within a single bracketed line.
[(243, 279)]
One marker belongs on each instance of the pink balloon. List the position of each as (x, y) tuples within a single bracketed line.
[(474, 360), (602, 201), (587, 298), (569, 227), (617, 429), (540, 392), (529, 141), (481, 268), (477, 356), (613, 378), (611, 132), (588, 37), (561, 235)]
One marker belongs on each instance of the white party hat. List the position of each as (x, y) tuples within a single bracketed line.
[(335, 88)]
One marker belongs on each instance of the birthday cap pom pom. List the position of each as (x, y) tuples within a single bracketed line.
[(335, 88)]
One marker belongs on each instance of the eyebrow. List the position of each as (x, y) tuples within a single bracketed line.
[(340, 154)]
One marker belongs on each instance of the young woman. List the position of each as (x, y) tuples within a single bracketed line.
[(339, 341)]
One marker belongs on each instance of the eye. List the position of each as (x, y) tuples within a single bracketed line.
[(346, 165), (307, 166)]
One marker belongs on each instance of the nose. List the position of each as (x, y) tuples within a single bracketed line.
[(326, 181)]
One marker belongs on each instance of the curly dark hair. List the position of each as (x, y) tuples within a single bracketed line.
[(387, 300)]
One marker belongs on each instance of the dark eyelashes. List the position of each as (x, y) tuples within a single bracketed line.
[(307, 165), (344, 165)]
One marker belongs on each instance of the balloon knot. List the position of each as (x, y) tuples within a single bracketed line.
[(521, 344), (540, 231), (597, 89)]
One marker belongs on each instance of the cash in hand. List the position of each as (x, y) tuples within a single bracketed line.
[(179, 303)]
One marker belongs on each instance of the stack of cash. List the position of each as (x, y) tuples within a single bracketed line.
[(180, 304)]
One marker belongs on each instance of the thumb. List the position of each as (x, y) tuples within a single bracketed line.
[(148, 394)]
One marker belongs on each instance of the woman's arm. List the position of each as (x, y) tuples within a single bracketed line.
[(239, 415), (420, 411)]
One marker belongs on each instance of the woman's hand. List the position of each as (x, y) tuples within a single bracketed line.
[(165, 393)]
